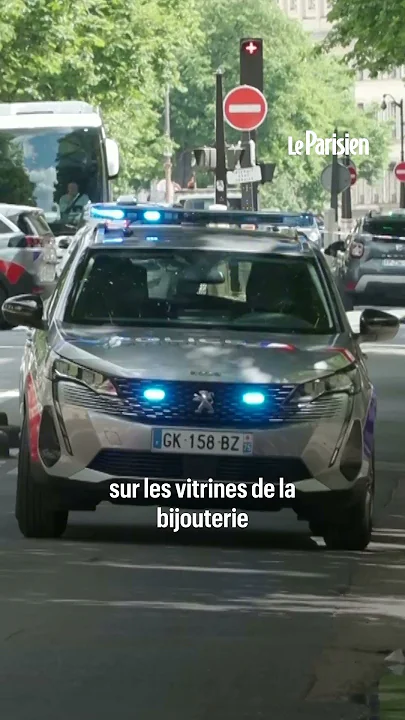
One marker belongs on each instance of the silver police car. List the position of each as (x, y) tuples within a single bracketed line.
[(175, 347)]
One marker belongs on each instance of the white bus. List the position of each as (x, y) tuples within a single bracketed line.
[(55, 150)]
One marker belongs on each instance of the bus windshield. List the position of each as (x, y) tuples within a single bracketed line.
[(57, 169)]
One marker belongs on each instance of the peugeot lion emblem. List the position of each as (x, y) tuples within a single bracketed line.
[(205, 400)]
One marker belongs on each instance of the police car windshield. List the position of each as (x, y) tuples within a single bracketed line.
[(200, 288)]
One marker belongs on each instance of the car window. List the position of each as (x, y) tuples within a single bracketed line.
[(196, 288), (53, 300), (393, 227), (4, 228), (21, 222), (39, 224)]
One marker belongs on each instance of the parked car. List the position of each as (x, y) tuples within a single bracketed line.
[(27, 253), (369, 265)]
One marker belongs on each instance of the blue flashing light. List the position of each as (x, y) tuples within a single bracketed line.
[(152, 238), (253, 398), (107, 213), (154, 394), (152, 216)]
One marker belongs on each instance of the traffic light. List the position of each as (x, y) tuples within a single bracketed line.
[(267, 172), (205, 157), (234, 155), (251, 62)]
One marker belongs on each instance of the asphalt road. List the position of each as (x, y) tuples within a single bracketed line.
[(121, 619)]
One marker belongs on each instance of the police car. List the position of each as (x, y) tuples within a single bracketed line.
[(179, 346)]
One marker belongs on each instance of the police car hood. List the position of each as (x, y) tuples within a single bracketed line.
[(189, 355)]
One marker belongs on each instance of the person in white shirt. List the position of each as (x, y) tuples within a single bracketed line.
[(74, 201)]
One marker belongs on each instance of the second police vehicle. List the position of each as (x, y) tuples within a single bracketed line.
[(177, 347)]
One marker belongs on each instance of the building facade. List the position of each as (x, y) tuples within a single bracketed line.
[(312, 14)]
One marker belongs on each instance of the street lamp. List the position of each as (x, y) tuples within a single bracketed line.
[(399, 105)]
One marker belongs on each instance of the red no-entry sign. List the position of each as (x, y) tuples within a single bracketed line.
[(353, 174), (400, 172), (245, 108)]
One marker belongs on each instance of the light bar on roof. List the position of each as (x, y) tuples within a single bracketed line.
[(136, 215)]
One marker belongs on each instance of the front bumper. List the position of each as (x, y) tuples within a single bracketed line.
[(99, 449)]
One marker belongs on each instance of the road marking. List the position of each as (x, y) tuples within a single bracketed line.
[(196, 569), (12, 472), (4, 361)]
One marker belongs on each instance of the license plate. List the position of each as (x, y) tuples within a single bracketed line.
[(202, 443), (394, 263)]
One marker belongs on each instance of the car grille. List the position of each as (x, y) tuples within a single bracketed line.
[(179, 408), (168, 466)]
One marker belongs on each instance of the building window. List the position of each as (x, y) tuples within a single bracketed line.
[(310, 8), (394, 198), (360, 106), (360, 75), (293, 5), (393, 116), (393, 74)]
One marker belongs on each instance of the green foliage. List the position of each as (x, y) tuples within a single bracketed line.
[(118, 54), (121, 54), (305, 90), (15, 185), (376, 29)]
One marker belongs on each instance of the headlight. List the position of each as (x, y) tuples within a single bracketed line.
[(343, 382), (66, 370)]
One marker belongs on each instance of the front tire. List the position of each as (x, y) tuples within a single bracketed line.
[(354, 532), (35, 516)]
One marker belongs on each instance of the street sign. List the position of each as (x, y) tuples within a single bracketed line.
[(400, 171), (352, 170), (245, 108), (353, 174), (343, 178), (244, 175)]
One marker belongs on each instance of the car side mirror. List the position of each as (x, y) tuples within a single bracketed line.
[(371, 325), (334, 248), (27, 310), (113, 158)]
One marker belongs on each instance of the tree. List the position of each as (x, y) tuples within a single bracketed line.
[(118, 54), (15, 185), (374, 28), (304, 90)]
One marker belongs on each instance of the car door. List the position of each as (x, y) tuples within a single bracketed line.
[(40, 258)]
